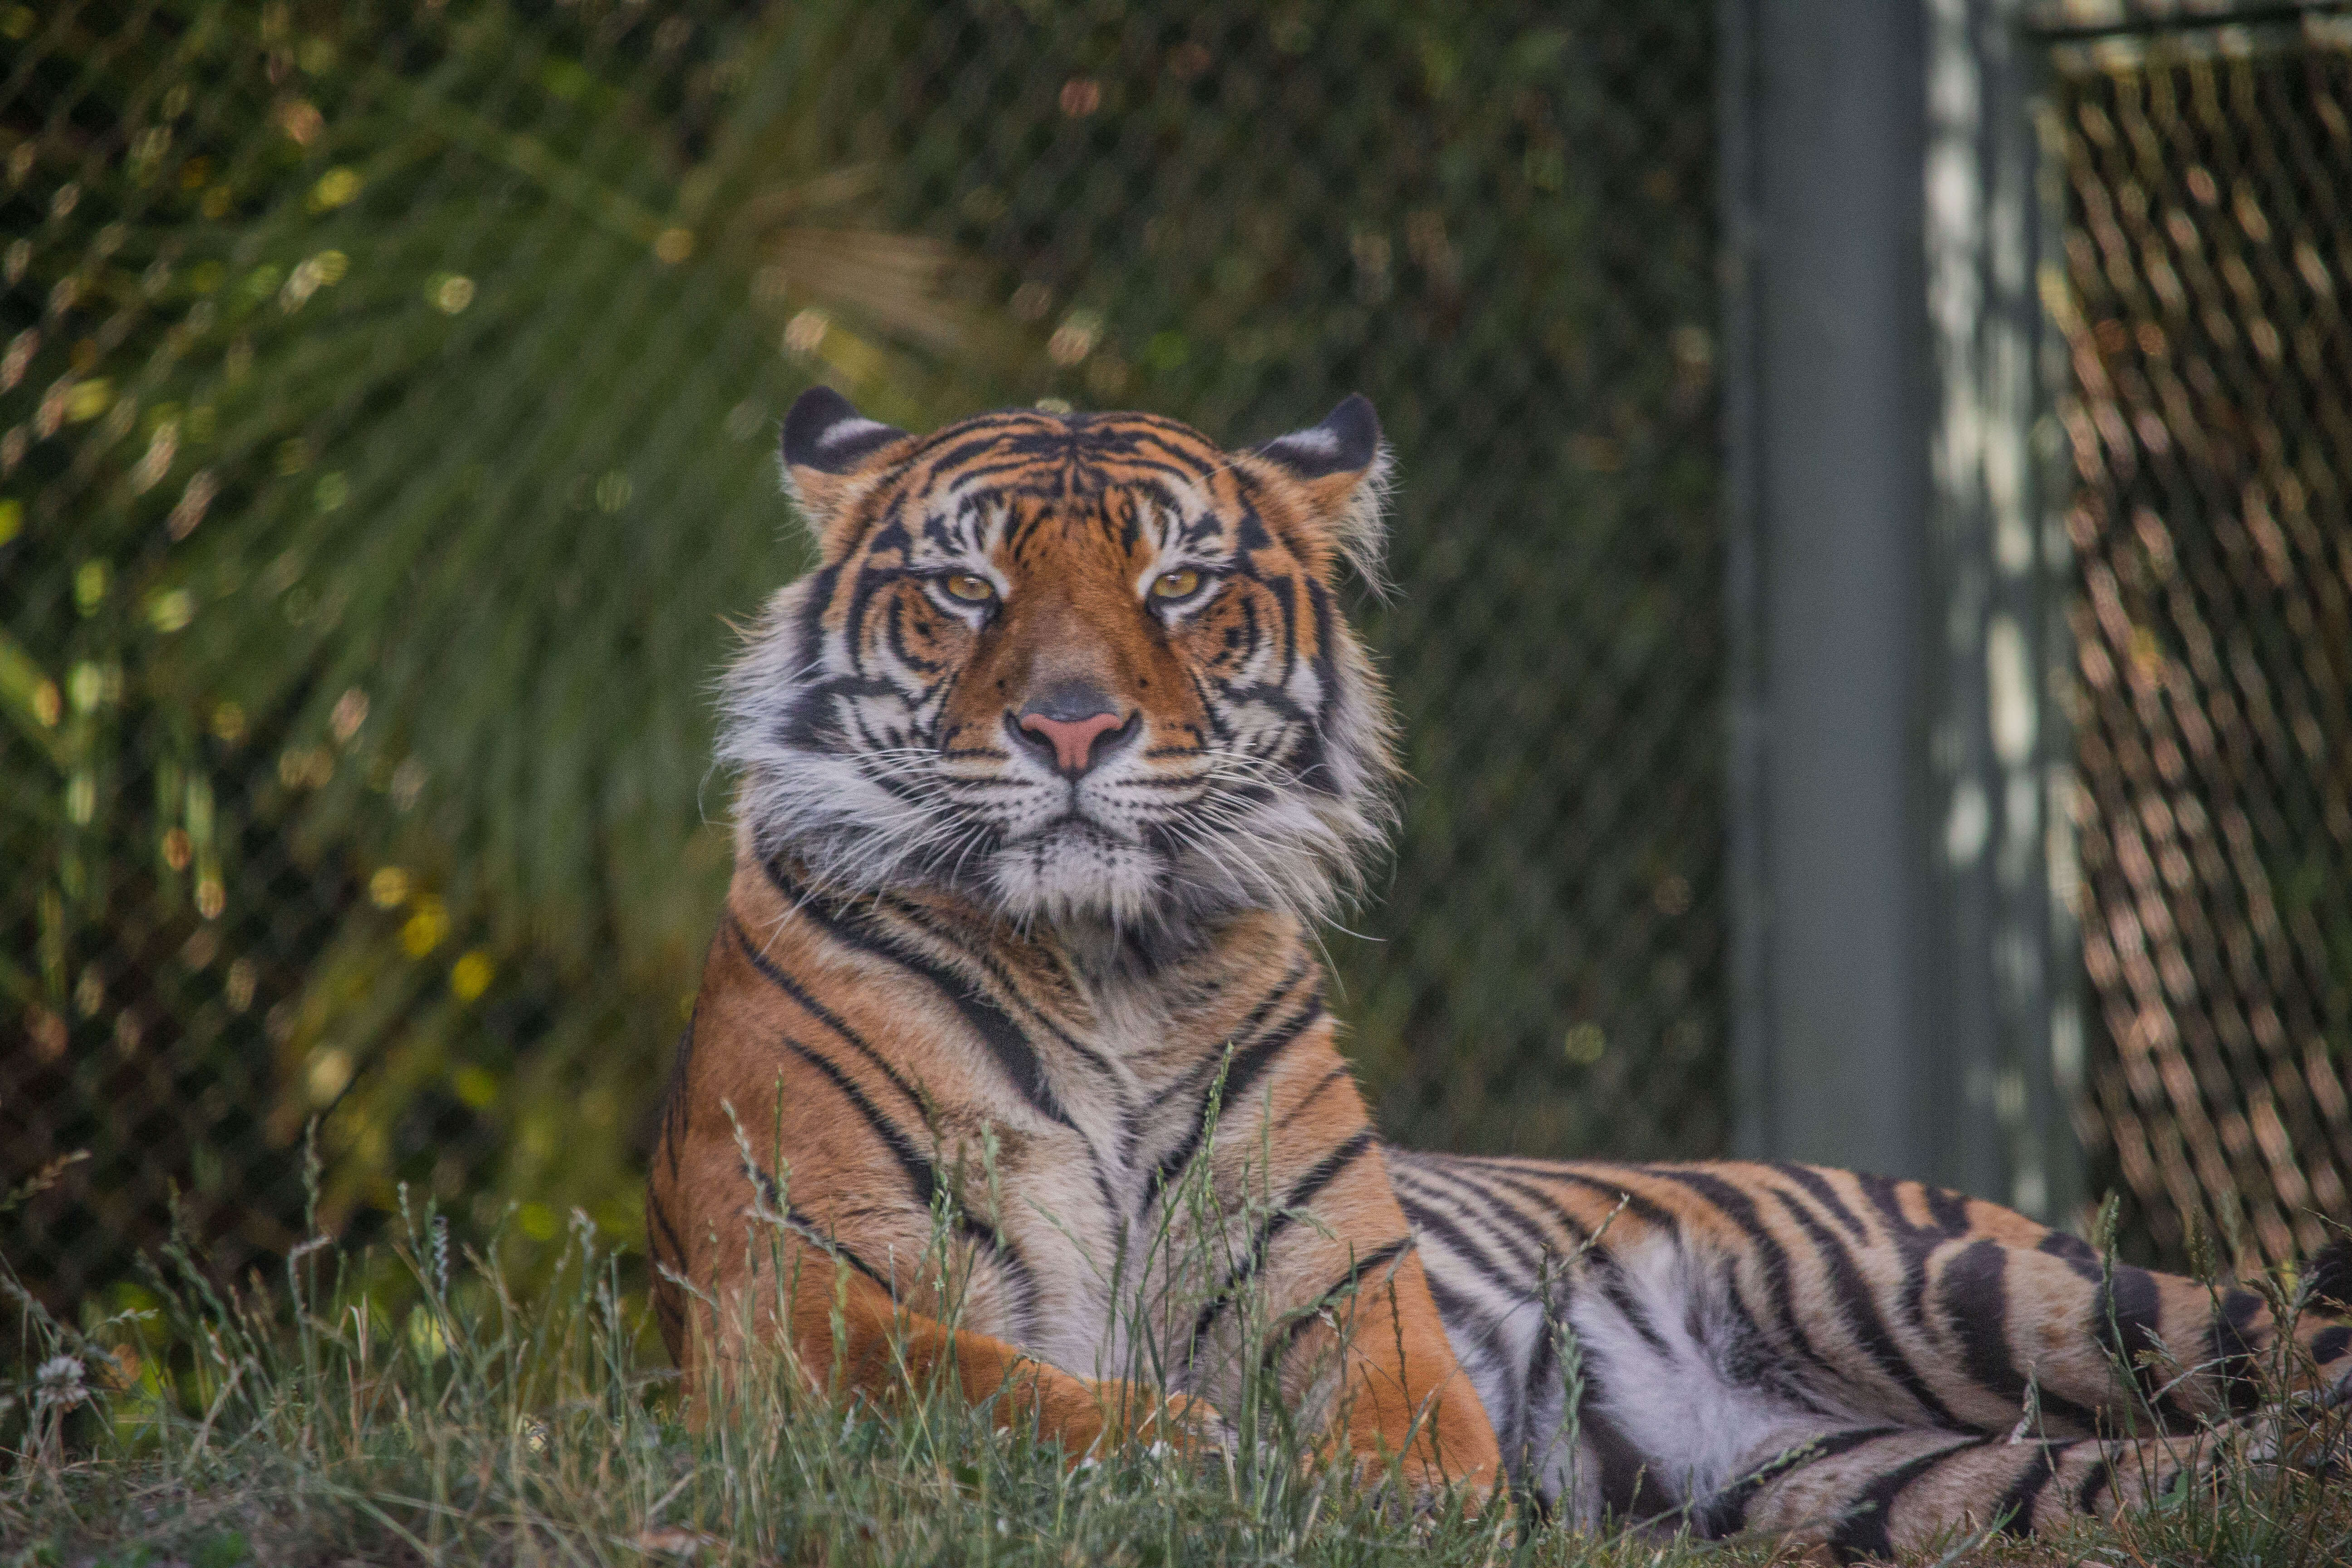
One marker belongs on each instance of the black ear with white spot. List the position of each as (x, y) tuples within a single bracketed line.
[(824, 433), (833, 454), (1339, 473), (1346, 442)]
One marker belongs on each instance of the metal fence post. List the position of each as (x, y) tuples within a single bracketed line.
[(1893, 984)]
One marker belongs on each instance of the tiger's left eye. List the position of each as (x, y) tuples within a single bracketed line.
[(969, 588), (1181, 584)]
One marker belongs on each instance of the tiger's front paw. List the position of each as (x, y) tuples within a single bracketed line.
[(1138, 1413), (1430, 1488), (1417, 1486), (1188, 1425)]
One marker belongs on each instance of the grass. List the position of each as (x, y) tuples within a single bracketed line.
[(304, 1421)]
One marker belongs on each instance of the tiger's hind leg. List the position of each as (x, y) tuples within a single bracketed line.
[(1900, 1304), (1872, 1492), (2112, 1350), (1724, 1314), (2068, 1386)]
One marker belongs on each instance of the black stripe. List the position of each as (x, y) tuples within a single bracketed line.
[(661, 1237), (2234, 1350), (1948, 1212), (811, 1231), (1014, 1055), (1750, 1358), (677, 1100), (1635, 1204), (676, 1114), (1239, 1067), (669, 1301), (1453, 1307), (1250, 1065), (1974, 1288), (2015, 1509), (1860, 1309), (922, 921), (920, 1173), (820, 1012), (1514, 1278), (1814, 1183), (1483, 1333), (1324, 1172), (1249, 1028), (1726, 1513), (1864, 1530), (1570, 1227), (2124, 1318), (1535, 1247), (1601, 1264), (1006, 1040), (1310, 1097), (1733, 1206), (1913, 1244), (671, 1320), (2095, 1485), (2077, 1254), (1542, 1367), (1303, 1318), (1520, 1395), (1947, 1208), (1609, 1275), (834, 1246)]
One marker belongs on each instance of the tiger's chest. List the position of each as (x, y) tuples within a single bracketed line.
[(1080, 1179), (1095, 1219), (1067, 1155)]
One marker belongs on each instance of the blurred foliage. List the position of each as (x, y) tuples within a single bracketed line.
[(388, 400)]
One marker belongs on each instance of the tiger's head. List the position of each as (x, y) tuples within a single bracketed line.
[(1081, 667)]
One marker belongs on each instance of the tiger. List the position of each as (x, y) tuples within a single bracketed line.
[(1013, 1068)]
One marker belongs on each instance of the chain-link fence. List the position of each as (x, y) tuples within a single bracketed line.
[(385, 428), (2206, 258)]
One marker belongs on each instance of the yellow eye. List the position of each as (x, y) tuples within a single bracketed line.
[(970, 589), (1181, 584)]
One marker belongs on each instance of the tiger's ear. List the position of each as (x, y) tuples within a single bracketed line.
[(829, 451), (1340, 471)]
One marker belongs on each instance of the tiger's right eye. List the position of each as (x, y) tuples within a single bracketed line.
[(972, 589)]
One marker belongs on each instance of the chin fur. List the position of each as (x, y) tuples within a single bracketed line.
[(1076, 874)]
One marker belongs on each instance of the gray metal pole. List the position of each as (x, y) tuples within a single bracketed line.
[(1831, 946), (1894, 987)]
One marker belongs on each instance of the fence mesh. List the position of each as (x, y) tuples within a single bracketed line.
[(387, 414), (2208, 254)]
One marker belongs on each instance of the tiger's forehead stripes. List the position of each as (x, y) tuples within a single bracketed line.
[(1038, 469)]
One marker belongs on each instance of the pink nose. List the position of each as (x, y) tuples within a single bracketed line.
[(1073, 739)]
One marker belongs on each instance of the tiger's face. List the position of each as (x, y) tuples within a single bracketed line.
[(1080, 667)]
